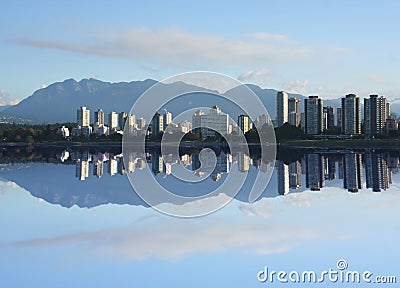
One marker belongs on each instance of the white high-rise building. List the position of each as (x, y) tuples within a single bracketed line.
[(244, 162), (186, 126), (131, 120), (113, 120), (83, 117), (167, 118), (282, 109), (207, 124), (82, 169), (283, 178), (112, 166)]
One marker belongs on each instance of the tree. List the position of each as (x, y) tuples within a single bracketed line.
[(288, 132)]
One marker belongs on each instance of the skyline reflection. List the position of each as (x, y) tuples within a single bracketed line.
[(356, 169), (99, 171)]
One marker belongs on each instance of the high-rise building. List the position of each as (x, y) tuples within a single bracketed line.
[(186, 126), (281, 108), (209, 123), (83, 117), (131, 122), (294, 115), (244, 123), (352, 172), (112, 168), (376, 172), (222, 166), (82, 169), (121, 120), (98, 168), (329, 168), (113, 120), (314, 171), (157, 124), (351, 115), (99, 117), (244, 162), (313, 115), (295, 175), (283, 178), (329, 118), (303, 121), (157, 163), (374, 115), (339, 117), (387, 111), (261, 120), (141, 123), (167, 118), (391, 125)]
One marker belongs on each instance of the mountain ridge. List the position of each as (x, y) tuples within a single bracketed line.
[(58, 102)]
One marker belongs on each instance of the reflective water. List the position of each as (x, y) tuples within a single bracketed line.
[(69, 218)]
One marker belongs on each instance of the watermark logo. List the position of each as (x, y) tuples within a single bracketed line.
[(342, 264), (339, 274), (154, 105)]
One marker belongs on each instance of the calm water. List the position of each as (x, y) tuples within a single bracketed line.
[(69, 218)]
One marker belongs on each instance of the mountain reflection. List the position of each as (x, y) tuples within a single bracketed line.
[(41, 172)]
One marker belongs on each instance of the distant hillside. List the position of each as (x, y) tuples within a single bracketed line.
[(2, 108), (58, 102)]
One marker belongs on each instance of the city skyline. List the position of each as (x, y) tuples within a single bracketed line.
[(314, 119)]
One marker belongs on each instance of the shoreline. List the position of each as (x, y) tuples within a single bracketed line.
[(295, 144), (342, 144)]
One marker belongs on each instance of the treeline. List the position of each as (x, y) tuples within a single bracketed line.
[(31, 133), (45, 133)]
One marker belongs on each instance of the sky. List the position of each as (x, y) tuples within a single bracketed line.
[(325, 48)]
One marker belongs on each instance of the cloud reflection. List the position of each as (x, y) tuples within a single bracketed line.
[(173, 239)]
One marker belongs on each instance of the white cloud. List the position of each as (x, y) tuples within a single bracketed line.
[(297, 87), (179, 47), (5, 98), (8, 184), (304, 87), (143, 241), (261, 77), (269, 37)]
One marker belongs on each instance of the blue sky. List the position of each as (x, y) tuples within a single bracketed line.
[(308, 47)]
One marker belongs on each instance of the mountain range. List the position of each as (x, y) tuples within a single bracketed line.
[(58, 102)]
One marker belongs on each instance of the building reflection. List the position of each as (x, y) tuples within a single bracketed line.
[(315, 164), (295, 175), (320, 168), (352, 168), (377, 172), (355, 169)]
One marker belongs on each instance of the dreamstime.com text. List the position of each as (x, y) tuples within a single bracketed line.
[(340, 274)]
